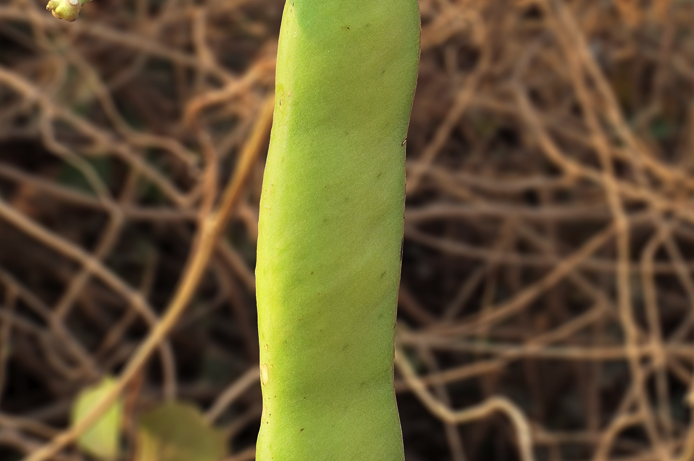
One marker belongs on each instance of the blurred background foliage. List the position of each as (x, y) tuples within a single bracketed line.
[(549, 243)]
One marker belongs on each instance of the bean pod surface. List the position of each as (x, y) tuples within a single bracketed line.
[(331, 227)]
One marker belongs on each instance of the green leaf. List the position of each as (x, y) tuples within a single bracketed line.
[(177, 431), (102, 440), (74, 178)]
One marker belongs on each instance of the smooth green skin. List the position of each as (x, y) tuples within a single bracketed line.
[(64, 9), (331, 228)]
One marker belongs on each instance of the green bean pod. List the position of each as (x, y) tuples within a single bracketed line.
[(331, 228)]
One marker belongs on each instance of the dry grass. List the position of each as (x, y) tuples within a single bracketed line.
[(546, 309)]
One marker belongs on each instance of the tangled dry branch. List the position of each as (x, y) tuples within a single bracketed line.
[(546, 304)]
